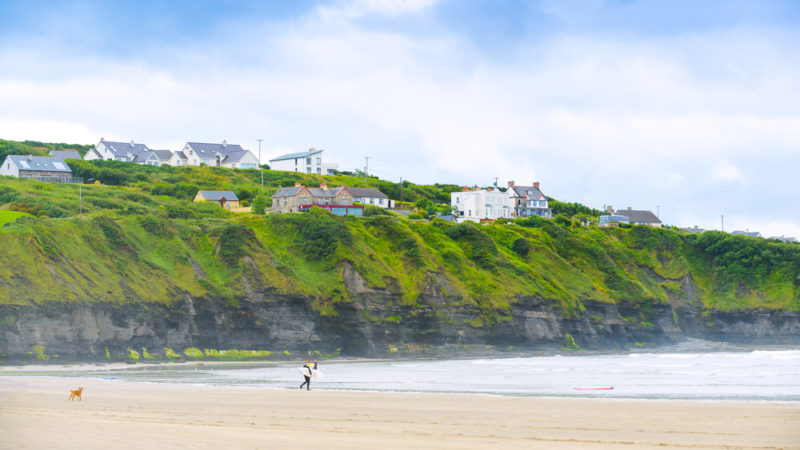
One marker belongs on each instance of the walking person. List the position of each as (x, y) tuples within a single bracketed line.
[(307, 375)]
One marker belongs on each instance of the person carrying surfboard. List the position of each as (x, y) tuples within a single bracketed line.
[(307, 374)]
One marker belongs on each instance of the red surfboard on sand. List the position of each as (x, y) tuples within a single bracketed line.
[(605, 388)]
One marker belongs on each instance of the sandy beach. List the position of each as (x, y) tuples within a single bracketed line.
[(35, 413)]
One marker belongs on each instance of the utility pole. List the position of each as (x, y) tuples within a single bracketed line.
[(260, 169), (495, 181), (722, 221), (401, 189), (366, 168), (80, 200)]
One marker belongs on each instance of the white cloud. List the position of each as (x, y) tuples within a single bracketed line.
[(642, 123)]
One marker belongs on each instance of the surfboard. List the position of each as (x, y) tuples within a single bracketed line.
[(604, 388), (317, 374), (305, 371)]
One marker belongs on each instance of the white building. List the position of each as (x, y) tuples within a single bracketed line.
[(227, 155), (480, 204), (306, 162), (121, 151), (371, 196)]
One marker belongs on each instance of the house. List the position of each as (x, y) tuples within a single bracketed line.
[(164, 157), (526, 201), (747, 233), (638, 217), (306, 162), (118, 151), (788, 240), (226, 199), (43, 168), (694, 230), (480, 204), (370, 196), (232, 156), (301, 198), (178, 159), (65, 154)]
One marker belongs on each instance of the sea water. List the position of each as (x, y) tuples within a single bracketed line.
[(729, 375)]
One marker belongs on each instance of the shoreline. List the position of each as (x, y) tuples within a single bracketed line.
[(134, 414)]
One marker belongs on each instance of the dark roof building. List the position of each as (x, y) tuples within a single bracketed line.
[(65, 154), (639, 216)]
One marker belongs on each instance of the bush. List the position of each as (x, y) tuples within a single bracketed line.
[(521, 246)]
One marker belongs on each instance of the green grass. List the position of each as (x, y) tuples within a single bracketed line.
[(128, 244)]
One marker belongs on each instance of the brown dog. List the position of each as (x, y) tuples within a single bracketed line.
[(75, 394)]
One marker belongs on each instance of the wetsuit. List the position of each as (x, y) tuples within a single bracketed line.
[(306, 383)]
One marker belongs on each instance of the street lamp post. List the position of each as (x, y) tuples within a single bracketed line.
[(260, 169)]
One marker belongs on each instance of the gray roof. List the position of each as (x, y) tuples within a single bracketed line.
[(209, 150), (287, 191), (311, 152), (330, 192), (747, 233), (181, 155), (163, 155), (638, 216), (529, 191), (789, 240), (217, 195), (693, 230), (144, 156), (125, 147), (65, 154), (235, 156), (367, 192), (42, 163)]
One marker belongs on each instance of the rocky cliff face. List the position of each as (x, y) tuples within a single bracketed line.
[(375, 323)]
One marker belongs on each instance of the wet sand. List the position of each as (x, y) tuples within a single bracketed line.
[(35, 414)]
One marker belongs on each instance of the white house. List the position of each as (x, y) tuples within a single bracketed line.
[(480, 204), (44, 168), (178, 159), (306, 162), (117, 151), (370, 196), (527, 201), (232, 156)]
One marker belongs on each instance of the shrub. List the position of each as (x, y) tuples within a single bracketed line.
[(521, 246)]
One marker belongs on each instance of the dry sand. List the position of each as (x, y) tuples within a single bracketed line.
[(35, 413)]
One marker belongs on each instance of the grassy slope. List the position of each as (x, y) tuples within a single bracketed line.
[(130, 245)]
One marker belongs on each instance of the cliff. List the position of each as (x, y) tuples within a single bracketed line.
[(144, 276)]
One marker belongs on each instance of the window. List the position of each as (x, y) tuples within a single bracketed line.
[(308, 161), (319, 171), (319, 161)]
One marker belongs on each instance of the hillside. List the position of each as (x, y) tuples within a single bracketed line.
[(136, 266)]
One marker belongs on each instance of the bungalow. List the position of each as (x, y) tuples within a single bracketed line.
[(226, 199), (306, 162), (370, 196), (528, 201), (638, 217), (747, 233), (232, 156), (43, 168), (301, 198)]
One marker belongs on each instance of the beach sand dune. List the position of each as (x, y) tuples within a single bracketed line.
[(35, 414)]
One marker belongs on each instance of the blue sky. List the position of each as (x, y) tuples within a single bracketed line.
[(689, 108)]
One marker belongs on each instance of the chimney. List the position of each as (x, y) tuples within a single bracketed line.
[(464, 189), (131, 142), (610, 209), (536, 184), (312, 150), (510, 184), (323, 186), (30, 157), (629, 209), (298, 184), (224, 143)]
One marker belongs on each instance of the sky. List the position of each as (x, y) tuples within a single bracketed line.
[(688, 109)]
